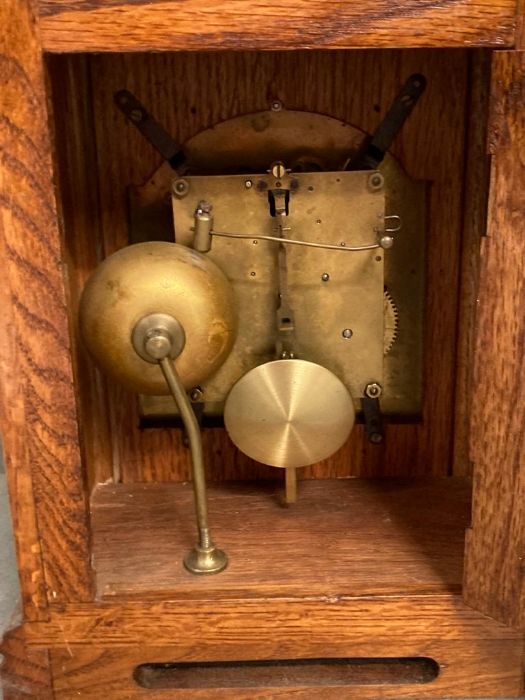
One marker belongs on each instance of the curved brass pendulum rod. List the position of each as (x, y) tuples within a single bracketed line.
[(159, 338)]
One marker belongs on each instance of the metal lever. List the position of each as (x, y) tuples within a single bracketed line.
[(285, 339), (160, 338), (373, 148), (373, 419), (158, 137)]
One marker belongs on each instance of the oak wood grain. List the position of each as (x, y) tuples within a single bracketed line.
[(38, 413), (341, 537), (97, 646), (15, 90), (520, 26), (477, 170), (121, 25), (494, 581), (218, 628), (83, 245), (479, 668), (190, 92), (24, 672)]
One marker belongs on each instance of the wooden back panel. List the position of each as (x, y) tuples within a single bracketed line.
[(99, 155)]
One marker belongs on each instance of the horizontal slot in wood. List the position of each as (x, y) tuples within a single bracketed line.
[(287, 673)]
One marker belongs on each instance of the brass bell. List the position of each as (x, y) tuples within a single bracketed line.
[(158, 278)]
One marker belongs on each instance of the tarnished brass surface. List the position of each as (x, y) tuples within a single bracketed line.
[(205, 557), (289, 413), (153, 278), (250, 143), (304, 141), (337, 208)]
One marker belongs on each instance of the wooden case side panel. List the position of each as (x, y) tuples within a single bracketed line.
[(25, 671), (37, 396), (125, 25), (494, 581), (190, 92), (476, 185), (83, 246)]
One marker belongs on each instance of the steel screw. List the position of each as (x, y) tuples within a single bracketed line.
[(181, 188), (204, 208), (376, 181), (373, 390), (248, 184), (347, 333), (157, 344), (276, 106), (325, 276), (196, 393), (386, 242)]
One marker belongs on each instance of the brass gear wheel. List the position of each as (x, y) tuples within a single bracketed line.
[(391, 316)]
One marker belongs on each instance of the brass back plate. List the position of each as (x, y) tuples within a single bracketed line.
[(337, 208)]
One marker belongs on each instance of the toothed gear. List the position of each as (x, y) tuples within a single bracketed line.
[(391, 322)]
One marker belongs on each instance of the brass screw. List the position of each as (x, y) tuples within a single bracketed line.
[(278, 171)]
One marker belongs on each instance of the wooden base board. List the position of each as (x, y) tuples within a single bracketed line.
[(356, 569), (95, 648), (342, 537)]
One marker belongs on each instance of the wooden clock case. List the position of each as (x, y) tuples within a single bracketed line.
[(413, 569)]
